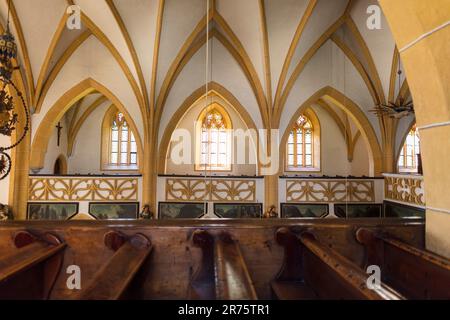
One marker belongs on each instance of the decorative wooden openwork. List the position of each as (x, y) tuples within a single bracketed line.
[(216, 190), (330, 191), (406, 189), (83, 189)]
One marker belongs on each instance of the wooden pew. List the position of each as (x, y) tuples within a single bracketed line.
[(31, 271), (312, 270), (115, 276), (223, 273), (416, 273)]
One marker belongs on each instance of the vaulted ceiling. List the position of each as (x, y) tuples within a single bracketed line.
[(272, 55)]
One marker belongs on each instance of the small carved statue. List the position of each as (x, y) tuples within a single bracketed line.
[(5, 213), (271, 213), (146, 213)]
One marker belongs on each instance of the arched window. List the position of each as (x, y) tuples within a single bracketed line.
[(123, 148), (214, 152), (408, 160), (300, 145)]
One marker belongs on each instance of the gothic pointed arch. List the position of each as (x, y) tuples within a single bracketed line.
[(67, 100), (335, 97), (198, 94)]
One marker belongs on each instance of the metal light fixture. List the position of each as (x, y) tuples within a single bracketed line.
[(9, 118), (397, 110)]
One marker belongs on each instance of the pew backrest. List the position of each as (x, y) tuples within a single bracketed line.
[(223, 272), (313, 266), (416, 273), (336, 277), (115, 276), (233, 281), (31, 271)]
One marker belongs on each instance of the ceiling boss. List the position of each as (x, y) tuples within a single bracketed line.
[(8, 116)]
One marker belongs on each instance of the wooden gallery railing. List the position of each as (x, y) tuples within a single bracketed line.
[(405, 189)]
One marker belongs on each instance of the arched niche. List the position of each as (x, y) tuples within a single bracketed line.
[(195, 105), (67, 100), (334, 97), (60, 166)]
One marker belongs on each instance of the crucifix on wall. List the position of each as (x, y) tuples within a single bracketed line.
[(59, 127)]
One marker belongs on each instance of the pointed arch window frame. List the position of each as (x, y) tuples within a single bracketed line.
[(409, 151), (205, 136), (315, 152), (107, 143)]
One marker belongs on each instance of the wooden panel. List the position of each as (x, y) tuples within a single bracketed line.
[(175, 257), (312, 270), (29, 271), (111, 281), (332, 276), (233, 281), (416, 273)]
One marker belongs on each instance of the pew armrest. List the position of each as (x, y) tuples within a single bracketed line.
[(114, 277), (36, 257)]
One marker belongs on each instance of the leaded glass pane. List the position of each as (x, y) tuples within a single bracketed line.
[(308, 159), (114, 147), (114, 158), (124, 158), (308, 138), (133, 147), (291, 160), (133, 159), (308, 149), (124, 147), (409, 161), (115, 135), (290, 149), (124, 135), (291, 138)]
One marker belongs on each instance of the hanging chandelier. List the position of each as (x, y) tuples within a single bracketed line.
[(397, 110), (8, 116)]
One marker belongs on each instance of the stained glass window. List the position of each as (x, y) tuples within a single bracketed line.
[(123, 149), (300, 144), (214, 141), (408, 155)]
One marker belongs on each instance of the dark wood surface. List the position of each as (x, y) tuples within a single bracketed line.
[(175, 258), (312, 270), (222, 273), (416, 273), (233, 281), (30, 270), (112, 280), (202, 284)]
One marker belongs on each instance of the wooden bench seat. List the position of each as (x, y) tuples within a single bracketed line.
[(223, 273), (233, 281), (317, 272), (291, 290), (115, 276), (31, 271), (414, 272)]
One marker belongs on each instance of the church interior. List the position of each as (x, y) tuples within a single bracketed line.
[(224, 149)]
